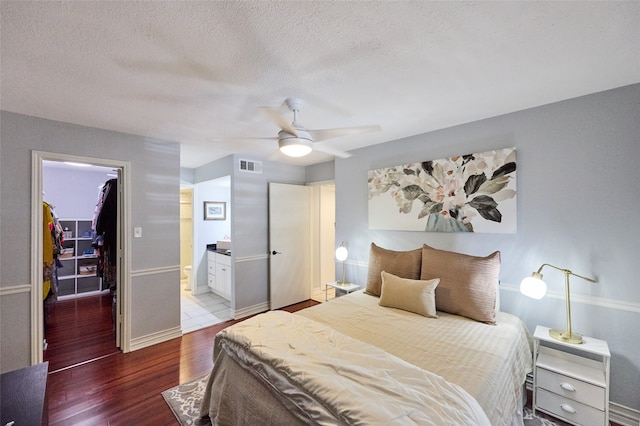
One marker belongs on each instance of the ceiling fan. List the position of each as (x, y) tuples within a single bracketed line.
[(295, 140)]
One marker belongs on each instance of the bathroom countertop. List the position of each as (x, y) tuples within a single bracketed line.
[(212, 247)]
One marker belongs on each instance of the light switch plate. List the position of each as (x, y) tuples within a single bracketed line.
[(137, 232)]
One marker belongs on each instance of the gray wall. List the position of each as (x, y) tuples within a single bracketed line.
[(73, 192), (249, 224), (322, 172), (578, 198), (155, 170)]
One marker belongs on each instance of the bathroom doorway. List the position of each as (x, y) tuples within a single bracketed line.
[(197, 309)]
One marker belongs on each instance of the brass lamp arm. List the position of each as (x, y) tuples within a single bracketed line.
[(565, 335), (565, 271)]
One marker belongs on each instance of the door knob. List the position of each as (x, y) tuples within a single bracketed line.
[(275, 252)]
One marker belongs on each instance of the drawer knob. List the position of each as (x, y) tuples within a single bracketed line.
[(568, 408), (566, 386)]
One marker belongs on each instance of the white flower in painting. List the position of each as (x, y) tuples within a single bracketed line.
[(459, 188)]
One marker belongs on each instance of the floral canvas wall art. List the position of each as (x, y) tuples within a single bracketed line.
[(464, 193)]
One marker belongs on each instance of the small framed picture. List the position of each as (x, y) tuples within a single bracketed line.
[(215, 210)]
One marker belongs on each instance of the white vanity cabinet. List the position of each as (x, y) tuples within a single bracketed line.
[(223, 275), (219, 273), (211, 269)]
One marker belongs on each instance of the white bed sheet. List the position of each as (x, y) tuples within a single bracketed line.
[(324, 377), (489, 361)]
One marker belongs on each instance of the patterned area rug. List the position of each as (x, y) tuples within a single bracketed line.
[(531, 420), (184, 401)]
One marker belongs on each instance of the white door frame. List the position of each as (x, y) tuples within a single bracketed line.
[(37, 314), (322, 237), (194, 268)]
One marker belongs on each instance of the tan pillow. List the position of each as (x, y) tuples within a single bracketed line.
[(417, 296), (467, 283), (405, 264)]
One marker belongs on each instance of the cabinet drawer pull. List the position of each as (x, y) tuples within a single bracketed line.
[(568, 408), (566, 386)]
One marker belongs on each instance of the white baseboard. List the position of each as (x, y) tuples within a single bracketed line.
[(155, 338), (622, 415), (250, 310)]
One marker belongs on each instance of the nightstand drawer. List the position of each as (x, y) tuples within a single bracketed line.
[(570, 388), (569, 409)]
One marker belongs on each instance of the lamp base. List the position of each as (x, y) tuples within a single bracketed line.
[(564, 336)]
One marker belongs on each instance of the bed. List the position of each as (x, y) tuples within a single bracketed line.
[(366, 358)]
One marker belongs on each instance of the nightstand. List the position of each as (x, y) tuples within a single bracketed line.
[(571, 381), (341, 289)]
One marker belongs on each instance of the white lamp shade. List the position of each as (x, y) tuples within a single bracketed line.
[(295, 147), (342, 253), (533, 287)]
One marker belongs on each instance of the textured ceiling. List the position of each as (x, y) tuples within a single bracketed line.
[(195, 72)]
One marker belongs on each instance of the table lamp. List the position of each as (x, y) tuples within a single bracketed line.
[(534, 287), (341, 255)]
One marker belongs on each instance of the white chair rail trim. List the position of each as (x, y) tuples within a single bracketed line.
[(155, 271), (589, 300), (15, 289)]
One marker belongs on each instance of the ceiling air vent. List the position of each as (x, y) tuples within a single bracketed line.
[(250, 166)]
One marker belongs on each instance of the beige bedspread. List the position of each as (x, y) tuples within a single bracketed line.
[(322, 376), (490, 362)]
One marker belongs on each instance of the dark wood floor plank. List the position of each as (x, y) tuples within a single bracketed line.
[(125, 389), (78, 330)]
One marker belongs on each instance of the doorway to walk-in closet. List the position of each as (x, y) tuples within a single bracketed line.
[(79, 293)]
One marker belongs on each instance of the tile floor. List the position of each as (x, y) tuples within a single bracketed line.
[(202, 310), (320, 295)]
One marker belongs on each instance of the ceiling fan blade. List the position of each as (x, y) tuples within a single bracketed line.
[(324, 134), (330, 150), (242, 138), (282, 122)]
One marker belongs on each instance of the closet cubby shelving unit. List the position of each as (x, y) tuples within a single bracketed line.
[(78, 273)]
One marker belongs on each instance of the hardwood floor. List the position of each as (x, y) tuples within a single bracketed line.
[(124, 389), (78, 330)]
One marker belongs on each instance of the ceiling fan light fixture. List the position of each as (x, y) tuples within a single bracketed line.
[(295, 147)]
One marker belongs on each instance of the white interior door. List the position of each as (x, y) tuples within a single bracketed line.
[(289, 244)]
